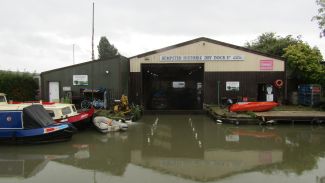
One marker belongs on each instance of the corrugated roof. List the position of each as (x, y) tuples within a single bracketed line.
[(84, 63)]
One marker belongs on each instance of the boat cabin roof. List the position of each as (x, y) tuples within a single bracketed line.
[(31, 117), (57, 106), (14, 107)]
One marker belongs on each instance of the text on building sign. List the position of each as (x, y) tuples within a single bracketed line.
[(202, 58)]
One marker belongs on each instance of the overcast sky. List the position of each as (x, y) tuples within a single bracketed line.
[(37, 35)]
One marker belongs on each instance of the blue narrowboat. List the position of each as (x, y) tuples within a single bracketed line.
[(31, 124)]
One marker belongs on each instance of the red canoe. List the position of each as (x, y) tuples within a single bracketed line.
[(252, 106)]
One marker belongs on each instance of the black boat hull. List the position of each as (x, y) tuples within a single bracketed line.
[(57, 136)]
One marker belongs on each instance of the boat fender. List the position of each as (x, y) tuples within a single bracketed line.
[(219, 121), (278, 83)]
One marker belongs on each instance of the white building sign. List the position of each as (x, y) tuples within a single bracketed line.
[(66, 88), (232, 86), (202, 58), (178, 84), (80, 79)]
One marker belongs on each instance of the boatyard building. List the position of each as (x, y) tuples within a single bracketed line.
[(101, 80), (184, 76), (190, 74)]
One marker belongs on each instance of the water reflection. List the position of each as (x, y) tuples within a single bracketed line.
[(202, 150), (25, 161), (182, 146), (105, 153)]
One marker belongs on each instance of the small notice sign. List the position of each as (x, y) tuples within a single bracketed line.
[(178, 84), (266, 65), (80, 79), (66, 88), (232, 86)]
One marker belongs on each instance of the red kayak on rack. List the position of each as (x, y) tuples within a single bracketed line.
[(252, 106)]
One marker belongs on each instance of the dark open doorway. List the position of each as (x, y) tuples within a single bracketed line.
[(172, 86), (261, 92), (265, 92)]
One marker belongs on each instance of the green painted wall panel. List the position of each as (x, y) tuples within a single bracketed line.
[(116, 81)]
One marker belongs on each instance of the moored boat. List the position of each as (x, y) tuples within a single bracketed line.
[(30, 124), (252, 106), (60, 112), (105, 125)]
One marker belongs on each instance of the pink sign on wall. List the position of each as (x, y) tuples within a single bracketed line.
[(266, 65)]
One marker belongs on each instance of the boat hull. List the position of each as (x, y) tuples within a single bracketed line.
[(252, 106), (81, 121), (113, 128), (50, 134)]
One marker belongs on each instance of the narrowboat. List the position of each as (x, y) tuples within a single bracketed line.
[(31, 124), (60, 112)]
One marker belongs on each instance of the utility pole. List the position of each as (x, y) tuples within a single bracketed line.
[(92, 35), (73, 53), (92, 56)]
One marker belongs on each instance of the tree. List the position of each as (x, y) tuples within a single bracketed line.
[(320, 17), (18, 86), (304, 63), (105, 49), (271, 44)]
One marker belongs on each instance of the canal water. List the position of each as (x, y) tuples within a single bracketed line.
[(174, 148)]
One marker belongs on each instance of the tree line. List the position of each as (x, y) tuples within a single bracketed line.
[(18, 86), (303, 62)]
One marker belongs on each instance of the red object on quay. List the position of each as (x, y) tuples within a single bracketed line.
[(252, 106)]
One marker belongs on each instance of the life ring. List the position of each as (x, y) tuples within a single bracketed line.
[(278, 83)]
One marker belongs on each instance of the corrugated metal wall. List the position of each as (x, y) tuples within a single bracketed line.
[(135, 84), (116, 81), (248, 84)]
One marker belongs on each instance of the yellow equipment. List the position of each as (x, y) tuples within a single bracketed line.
[(122, 106)]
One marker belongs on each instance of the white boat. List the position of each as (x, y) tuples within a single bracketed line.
[(123, 126), (106, 125), (68, 113)]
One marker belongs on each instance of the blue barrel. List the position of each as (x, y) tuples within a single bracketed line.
[(309, 94)]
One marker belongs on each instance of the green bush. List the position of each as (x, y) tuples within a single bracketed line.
[(136, 112), (18, 86)]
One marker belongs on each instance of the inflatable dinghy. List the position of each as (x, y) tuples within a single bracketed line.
[(105, 125)]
